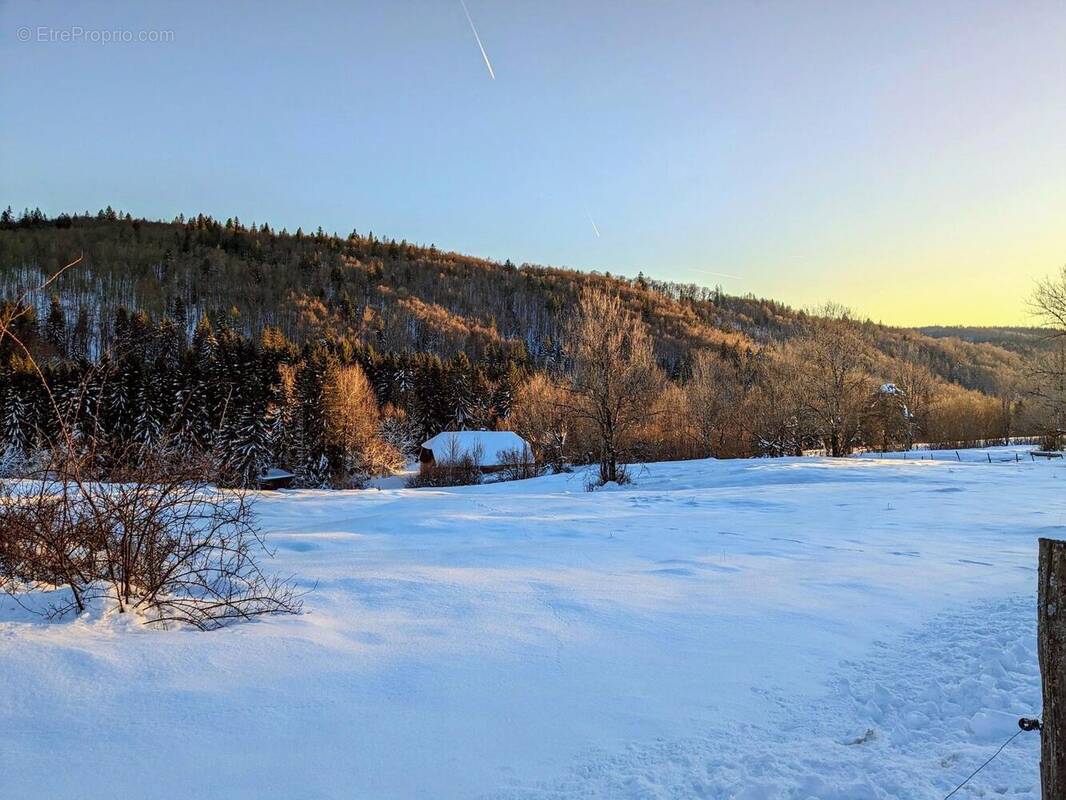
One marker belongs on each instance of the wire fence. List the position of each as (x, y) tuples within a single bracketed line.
[(971, 457), (974, 444), (986, 451)]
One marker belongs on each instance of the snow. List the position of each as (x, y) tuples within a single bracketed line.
[(274, 473), (493, 444), (758, 630)]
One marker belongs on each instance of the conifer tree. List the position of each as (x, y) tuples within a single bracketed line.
[(56, 327)]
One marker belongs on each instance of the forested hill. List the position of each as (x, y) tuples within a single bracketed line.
[(1018, 340), (397, 296)]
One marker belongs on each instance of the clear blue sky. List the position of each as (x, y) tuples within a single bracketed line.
[(906, 159)]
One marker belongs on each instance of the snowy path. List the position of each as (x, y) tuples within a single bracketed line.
[(889, 727), (719, 630)]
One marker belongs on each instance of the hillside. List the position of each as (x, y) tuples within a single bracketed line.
[(1019, 340), (397, 296)]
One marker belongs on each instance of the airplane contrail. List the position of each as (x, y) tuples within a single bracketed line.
[(484, 55), (594, 228), (719, 274)]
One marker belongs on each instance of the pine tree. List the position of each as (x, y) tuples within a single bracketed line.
[(244, 448), (312, 466), (55, 330), (80, 336), (17, 429), (154, 405), (503, 394), (460, 393)]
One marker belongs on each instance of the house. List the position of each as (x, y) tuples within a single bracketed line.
[(274, 478), (488, 448)]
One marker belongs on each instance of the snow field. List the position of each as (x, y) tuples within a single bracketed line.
[(766, 629)]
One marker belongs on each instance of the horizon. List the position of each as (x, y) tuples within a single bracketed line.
[(902, 161)]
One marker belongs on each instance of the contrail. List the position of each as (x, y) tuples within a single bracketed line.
[(594, 228), (719, 274), (484, 55)]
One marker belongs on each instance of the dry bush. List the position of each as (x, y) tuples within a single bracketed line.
[(158, 540), (518, 464), (48, 541), (453, 467)]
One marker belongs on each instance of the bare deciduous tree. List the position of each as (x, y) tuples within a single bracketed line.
[(916, 382), (1048, 392), (352, 427), (831, 369), (539, 415), (615, 375), (778, 417), (1048, 370), (714, 395), (1048, 302)]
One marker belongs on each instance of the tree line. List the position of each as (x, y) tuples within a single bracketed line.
[(332, 411), (336, 357), (337, 412)]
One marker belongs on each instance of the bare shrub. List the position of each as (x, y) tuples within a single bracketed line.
[(46, 541), (592, 480), (453, 467), (518, 464), (158, 540)]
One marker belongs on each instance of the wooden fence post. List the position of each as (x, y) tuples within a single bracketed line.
[(1051, 636)]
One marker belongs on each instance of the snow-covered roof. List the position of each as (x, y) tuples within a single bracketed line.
[(493, 444), (274, 473)]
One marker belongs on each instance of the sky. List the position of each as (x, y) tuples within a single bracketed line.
[(906, 159)]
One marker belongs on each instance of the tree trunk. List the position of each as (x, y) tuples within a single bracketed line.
[(1051, 633), (609, 461)]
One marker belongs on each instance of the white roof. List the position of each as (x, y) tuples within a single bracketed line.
[(273, 473), (493, 444)]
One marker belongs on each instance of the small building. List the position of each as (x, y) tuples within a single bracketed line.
[(274, 478), (490, 449)]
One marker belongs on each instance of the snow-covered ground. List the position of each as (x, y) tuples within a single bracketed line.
[(793, 628)]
